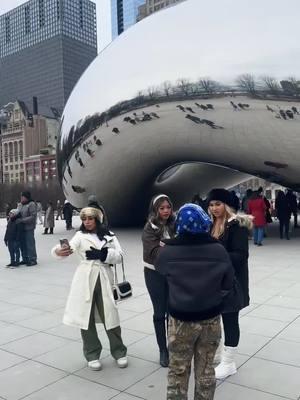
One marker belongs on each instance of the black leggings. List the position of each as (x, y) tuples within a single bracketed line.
[(231, 328)]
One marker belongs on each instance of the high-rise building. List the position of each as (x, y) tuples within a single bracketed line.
[(123, 15), (45, 46), (151, 6)]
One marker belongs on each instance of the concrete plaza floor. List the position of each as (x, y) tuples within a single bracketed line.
[(41, 359)]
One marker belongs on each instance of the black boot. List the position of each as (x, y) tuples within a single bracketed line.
[(164, 358), (160, 331)]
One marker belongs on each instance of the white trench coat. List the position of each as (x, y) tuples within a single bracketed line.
[(79, 303)]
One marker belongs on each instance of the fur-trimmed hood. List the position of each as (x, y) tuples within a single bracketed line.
[(244, 220)]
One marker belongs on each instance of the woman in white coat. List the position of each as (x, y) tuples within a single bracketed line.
[(91, 297)]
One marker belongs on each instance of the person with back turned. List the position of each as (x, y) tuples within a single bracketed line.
[(199, 275)]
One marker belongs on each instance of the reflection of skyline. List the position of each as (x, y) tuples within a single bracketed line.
[(215, 48)]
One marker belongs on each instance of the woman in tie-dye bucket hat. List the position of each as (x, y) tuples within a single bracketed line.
[(199, 274)]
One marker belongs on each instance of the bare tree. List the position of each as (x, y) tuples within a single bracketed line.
[(185, 86), (208, 85), (291, 85), (152, 92), (270, 84), (247, 82), (167, 88)]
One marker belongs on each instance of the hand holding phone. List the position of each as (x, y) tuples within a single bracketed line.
[(64, 243)]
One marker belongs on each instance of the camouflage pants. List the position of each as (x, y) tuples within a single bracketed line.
[(187, 340)]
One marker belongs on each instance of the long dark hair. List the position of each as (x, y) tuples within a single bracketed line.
[(101, 230), (153, 216)]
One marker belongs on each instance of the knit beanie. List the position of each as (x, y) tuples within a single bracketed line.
[(222, 195), (191, 218)]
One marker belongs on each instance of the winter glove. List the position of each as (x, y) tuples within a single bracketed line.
[(95, 254)]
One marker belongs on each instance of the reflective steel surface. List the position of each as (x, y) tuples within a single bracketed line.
[(207, 83)]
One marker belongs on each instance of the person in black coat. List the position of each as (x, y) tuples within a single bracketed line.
[(292, 200), (232, 231), (12, 238), (199, 275), (283, 212), (68, 214)]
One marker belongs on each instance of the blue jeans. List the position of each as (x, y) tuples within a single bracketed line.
[(14, 251), (28, 246), (258, 234)]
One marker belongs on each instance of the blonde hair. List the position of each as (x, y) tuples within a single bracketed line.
[(217, 231)]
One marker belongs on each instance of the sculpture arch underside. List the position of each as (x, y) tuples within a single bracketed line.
[(125, 137)]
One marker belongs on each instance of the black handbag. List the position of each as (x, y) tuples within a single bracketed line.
[(121, 290)]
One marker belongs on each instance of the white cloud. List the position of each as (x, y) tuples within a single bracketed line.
[(103, 18)]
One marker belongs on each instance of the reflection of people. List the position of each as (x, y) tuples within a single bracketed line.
[(59, 209), (232, 231), (199, 273), (292, 200), (91, 297), (39, 210), (160, 226)]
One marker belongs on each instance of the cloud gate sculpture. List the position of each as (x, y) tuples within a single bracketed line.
[(196, 95)]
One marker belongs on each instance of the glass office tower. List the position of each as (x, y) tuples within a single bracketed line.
[(123, 15), (45, 46)]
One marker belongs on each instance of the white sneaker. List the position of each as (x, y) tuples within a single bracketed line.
[(122, 362), (227, 366), (94, 365)]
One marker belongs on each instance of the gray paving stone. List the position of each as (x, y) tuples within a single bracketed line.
[(125, 396), (26, 378), (275, 313), (74, 388), (260, 326), (65, 331), (19, 314), (229, 391), (152, 387), (250, 343), (68, 358), (281, 351), (9, 333), (270, 377), (292, 332), (41, 322), (118, 378), (284, 301), (34, 345), (7, 360), (142, 323)]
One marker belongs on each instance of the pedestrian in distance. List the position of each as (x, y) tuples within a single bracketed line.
[(59, 210), (39, 210), (91, 299), (12, 238), (292, 200), (68, 214), (232, 231), (49, 219), (257, 208), (283, 213), (199, 274), (160, 225), (28, 216)]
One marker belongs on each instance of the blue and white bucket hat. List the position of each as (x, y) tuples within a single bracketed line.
[(191, 218)]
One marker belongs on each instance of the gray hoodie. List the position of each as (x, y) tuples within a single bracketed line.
[(28, 213)]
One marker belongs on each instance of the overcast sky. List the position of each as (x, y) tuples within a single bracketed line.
[(103, 18)]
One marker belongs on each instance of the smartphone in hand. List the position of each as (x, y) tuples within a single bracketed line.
[(64, 243)]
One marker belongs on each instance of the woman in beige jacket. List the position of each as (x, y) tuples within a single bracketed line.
[(91, 297)]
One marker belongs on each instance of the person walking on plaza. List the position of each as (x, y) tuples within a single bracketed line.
[(68, 214), (49, 219), (12, 238), (292, 201), (199, 274), (232, 231), (28, 214), (257, 208), (160, 225), (59, 210), (39, 211), (283, 213), (91, 297)]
